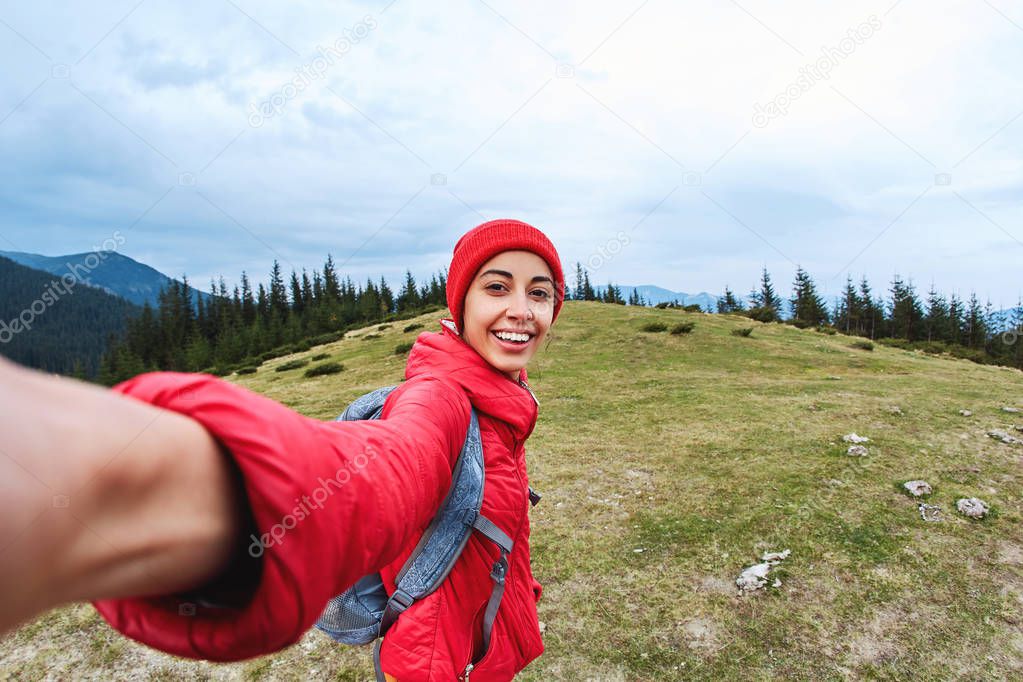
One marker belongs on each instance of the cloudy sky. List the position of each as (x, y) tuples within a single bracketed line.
[(682, 144)]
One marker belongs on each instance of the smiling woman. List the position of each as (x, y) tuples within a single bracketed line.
[(144, 498)]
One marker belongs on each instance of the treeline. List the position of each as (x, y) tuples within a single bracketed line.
[(245, 326), (936, 323)]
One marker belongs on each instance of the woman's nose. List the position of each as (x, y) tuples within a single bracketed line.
[(520, 308)]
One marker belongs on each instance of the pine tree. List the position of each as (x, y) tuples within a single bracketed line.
[(408, 297), (808, 307), (248, 303), (297, 299), (905, 312), (955, 320), (386, 297), (872, 319), (975, 326), (331, 288), (579, 293), (278, 294), (728, 303), (936, 319), (588, 292), (849, 310)]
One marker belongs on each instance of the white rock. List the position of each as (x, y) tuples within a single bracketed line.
[(853, 438), (639, 550), (777, 582), (543, 627), (930, 512), (857, 451), (1011, 410), (753, 578), (966, 413), (1004, 437), (775, 557), (973, 507), (895, 409), (917, 488)]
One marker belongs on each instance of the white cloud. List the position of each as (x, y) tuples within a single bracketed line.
[(470, 90)]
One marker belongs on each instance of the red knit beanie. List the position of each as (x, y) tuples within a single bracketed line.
[(485, 241)]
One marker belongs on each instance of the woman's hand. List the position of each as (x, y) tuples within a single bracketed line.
[(102, 495)]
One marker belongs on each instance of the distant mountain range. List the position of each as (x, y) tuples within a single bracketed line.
[(107, 270), (653, 295)]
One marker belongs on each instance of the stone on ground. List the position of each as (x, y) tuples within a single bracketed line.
[(1006, 438), (917, 488), (857, 451), (853, 438), (973, 507)]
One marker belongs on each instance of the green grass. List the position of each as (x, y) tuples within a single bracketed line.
[(706, 450)]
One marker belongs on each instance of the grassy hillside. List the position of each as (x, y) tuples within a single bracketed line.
[(670, 463)]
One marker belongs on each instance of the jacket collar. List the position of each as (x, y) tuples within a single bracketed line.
[(446, 355)]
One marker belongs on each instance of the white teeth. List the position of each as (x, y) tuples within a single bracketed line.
[(509, 336)]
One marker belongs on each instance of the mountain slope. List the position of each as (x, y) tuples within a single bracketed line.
[(107, 270), (47, 325), (669, 464)]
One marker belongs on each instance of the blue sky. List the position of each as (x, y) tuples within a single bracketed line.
[(689, 143)]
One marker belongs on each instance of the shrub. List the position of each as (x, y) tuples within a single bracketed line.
[(247, 370), (220, 371), (383, 327), (694, 308), (762, 314), (743, 331), (275, 353), (320, 356), (412, 327), (324, 369), (402, 348), (367, 337), (830, 331), (654, 327), (897, 343), (862, 345), (682, 328), (329, 337), (291, 364), (301, 346)]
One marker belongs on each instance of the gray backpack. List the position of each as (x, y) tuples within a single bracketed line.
[(365, 611)]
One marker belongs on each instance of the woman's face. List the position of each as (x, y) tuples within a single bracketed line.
[(513, 292)]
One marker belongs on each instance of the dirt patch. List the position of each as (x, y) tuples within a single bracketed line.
[(1010, 553), (874, 644), (702, 634), (715, 585)]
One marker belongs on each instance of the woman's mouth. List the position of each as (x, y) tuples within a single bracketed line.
[(512, 342)]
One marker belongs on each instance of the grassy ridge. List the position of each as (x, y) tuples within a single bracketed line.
[(669, 463)]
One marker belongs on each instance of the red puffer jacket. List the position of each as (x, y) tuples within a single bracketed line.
[(333, 501)]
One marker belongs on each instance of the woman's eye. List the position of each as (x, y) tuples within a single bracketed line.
[(495, 284), (542, 292)]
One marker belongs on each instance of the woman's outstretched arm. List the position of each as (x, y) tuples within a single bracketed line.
[(102, 496), (324, 503)]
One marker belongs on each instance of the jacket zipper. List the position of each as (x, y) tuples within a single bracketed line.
[(468, 669), (524, 385)]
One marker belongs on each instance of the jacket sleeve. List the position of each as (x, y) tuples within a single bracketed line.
[(331, 502)]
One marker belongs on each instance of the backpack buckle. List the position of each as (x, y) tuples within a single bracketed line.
[(403, 600), (499, 571), (534, 497)]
